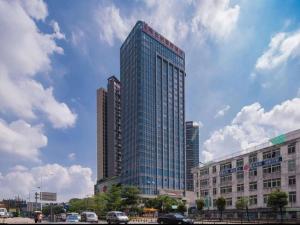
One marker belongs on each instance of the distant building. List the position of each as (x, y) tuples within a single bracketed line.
[(153, 112), (254, 174), (101, 134), (109, 130), (192, 151)]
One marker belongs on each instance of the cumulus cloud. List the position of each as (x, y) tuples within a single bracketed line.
[(21, 139), (205, 18), (282, 47), (216, 17), (222, 111), (68, 182), (252, 126), (25, 52)]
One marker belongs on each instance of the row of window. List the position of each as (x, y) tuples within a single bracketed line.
[(252, 159), (267, 184), (292, 198)]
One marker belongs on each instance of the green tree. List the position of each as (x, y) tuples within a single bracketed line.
[(114, 198), (100, 204), (163, 203), (278, 200), (77, 205), (242, 204), (130, 197), (57, 209), (200, 204), (221, 204), (181, 208)]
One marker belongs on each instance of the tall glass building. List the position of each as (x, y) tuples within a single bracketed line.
[(153, 112)]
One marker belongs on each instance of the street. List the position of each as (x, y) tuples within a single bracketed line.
[(20, 220)]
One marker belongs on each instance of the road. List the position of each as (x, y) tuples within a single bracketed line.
[(20, 220)]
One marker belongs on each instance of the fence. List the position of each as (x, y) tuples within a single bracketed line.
[(253, 216)]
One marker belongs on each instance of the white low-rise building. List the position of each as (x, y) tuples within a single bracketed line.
[(253, 173)]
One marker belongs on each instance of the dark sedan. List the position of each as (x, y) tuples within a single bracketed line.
[(174, 218)]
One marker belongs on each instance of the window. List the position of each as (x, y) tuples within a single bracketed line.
[(239, 163), (240, 188), (292, 180), (292, 148), (240, 175), (272, 169), (214, 180), (292, 165), (203, 193), (204, 182), (252, 158), (253, 200), (253, 186), (272, 183), (204, 172), (271, 154), (253, 173), (226, 179), (214, 191), (292, 197), (266, 199), (214, 169), (225, 166), (226, 190), (228, 201)]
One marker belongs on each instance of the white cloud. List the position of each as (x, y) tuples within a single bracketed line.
[(72, 156), (217, 17), (67, 182), (252, 126), (222, 111), (283, 46), (21, 139), (112, 26), (174, 19), (37, 9), (25, 52)]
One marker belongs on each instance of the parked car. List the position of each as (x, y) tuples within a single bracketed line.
[(116, 217), (3, 213), (174, 218), (75, 214), (89, 217), (72, 218), (61, 217)]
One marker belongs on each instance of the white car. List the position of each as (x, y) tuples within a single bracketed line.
[(3, 212), (116, 217), (89, 217)]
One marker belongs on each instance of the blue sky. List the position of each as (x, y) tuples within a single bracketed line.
[(242, 83)]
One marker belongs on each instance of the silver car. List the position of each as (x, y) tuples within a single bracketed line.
[(90, 217), (116, 217)]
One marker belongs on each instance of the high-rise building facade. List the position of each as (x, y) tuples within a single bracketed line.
[(101, 134), (109, 130), (113, 127), (192, 151), (153, 112)]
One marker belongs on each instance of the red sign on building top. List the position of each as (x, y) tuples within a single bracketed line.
[(162, 40)]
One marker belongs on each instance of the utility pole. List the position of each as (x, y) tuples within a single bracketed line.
[(36, 199)]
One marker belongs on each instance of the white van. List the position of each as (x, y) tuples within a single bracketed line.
[(3, 212)]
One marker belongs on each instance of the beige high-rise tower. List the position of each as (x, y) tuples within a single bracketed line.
[(109, 130)]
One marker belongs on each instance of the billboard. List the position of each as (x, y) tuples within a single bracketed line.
[(48, 196)]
